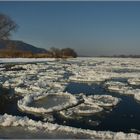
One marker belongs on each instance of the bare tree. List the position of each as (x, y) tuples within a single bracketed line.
[(55, 52), (68, 52), (7, 25)]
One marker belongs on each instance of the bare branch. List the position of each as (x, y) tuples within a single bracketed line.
[(7, 25)]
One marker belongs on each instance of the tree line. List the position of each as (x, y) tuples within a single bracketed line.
[(52, 53), (64, 53)]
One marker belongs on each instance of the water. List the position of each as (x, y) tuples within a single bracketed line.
[(10, 107), (124, 117), (77, 88)]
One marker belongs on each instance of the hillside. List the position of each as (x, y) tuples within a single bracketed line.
[(8, 45), (14, 49)]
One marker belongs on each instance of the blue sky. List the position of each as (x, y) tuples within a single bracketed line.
[(90, 27)]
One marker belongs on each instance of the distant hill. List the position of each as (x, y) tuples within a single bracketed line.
[(15, 49), (13, 45)]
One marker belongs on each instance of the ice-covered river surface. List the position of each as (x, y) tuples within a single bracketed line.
[(74, 98)]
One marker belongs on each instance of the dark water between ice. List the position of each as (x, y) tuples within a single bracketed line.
[(9, 106), (124, 117)]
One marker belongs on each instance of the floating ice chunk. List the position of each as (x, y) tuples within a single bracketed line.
[(90, 106), (122, 88), (34, 87), (134, 81), (102, 100), (137, 96), (133, 91), (81, 110), (6, 84), (24, 103), (84, 77), (60, 131), (87, 109), (123, 136), (22, 90), (119, 87)]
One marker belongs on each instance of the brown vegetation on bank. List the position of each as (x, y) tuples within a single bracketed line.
[(53, 53)]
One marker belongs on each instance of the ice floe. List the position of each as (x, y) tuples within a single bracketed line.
[(81, 110), (91, 105), (102, 100), (134, 81), (137, 96), (60, 131), (122, 88), (24, 103), (115, 86)]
